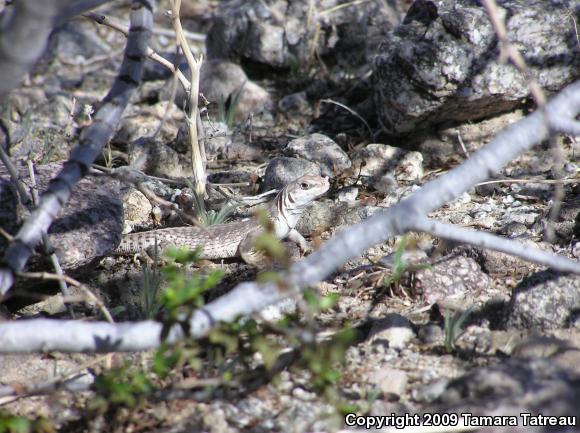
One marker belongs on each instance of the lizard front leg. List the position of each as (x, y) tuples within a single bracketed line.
[(296, 237)]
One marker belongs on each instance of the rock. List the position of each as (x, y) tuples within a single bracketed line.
[(409, 257), (347, 194), (155, 158), (253, 99), (295, 103), (393, 330), (325, 215), (87, 227), (575, 249), (387, 184), (456, 278), (514, 229), (225, 84), (501, 264), (513, 387), (443, 63), (445, 146), (546, 301), (141, 124), (318, 217), (75, 42), (540, 346), (380, 163), (282, 33), (390, 380), (430, 334), (475, 339), (283, 170), (566, 225), (322, 150), (220, 143), (431, 392), (136, 209), (218, 138)]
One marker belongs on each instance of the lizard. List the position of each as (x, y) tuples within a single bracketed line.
[(235, 239)]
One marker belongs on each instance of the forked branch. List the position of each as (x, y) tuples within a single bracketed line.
[(92, 140), (410, 214)]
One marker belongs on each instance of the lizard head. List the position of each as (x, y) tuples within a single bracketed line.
[(304, 190), (293, 199)]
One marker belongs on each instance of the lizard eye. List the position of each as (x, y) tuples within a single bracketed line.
[(304, 185)]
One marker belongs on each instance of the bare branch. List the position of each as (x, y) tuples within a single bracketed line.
[(247, 298), (197, 161), (25, 197), (90, 296), (115, 25), (93, 138), (77, 8), (493, 242), (565, 126), (23, 39)]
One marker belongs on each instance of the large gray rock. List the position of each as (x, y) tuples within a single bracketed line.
[(323, 150), (87, 227), (511, 388), (221, 82), (442, 63), (545, 301), (284, 33), (455, 279)]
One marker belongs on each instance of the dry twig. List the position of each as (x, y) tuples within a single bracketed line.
[(197, 154)]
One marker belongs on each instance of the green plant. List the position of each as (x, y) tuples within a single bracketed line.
[(397, 271), (124, 387), (151, 304), (227, 357), (209, 217), (228, 116), (400, 266), (294, 64), (128, 387), (320, 358), (453, 325), (183, 294), (19, 424)]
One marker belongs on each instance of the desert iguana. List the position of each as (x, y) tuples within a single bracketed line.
[(235, 239)]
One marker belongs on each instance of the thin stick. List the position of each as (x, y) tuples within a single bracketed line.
[(19, 391), (511, 52), (25, 198), (47, 244), (198, 37), (351, 111), (462, 144), (115, 25), (197, 163), (342, 6), (138, 179), (6, 235), (88, 292)]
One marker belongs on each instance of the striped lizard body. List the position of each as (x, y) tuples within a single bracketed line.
[(233, 239)]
